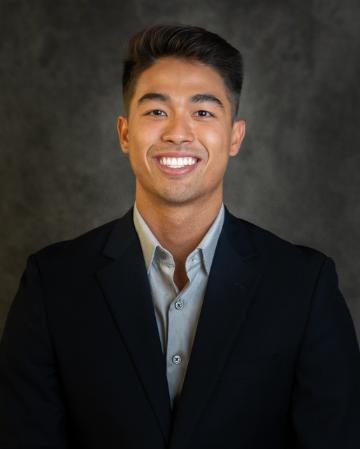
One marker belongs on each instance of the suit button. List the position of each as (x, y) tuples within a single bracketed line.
[(176, 359)]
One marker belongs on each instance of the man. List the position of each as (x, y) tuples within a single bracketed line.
[(179, 325)]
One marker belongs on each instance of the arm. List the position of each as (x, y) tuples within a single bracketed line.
[(32, 412), (326, 401)]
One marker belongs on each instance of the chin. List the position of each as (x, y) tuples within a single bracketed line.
[(178, 200)]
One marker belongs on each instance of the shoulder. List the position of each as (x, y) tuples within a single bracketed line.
[(291, 271), (83, 252), (90, 241), (281, 253)]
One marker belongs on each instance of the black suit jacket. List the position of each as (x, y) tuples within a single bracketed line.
[(275, 362)]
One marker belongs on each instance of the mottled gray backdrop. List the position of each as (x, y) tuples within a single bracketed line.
[(62, 172)]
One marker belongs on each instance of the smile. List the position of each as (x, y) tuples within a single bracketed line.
[(177, 166), (177, 162)]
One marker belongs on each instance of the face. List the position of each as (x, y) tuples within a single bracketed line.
[(179, 133)]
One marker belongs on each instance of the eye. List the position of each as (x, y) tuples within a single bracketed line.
[(156, 113), (203, 113)]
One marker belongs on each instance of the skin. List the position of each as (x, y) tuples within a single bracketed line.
[(179, 209)]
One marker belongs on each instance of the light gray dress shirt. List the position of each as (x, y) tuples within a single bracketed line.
[(177, 312)]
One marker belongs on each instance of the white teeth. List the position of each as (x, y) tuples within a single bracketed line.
[(177, 162)]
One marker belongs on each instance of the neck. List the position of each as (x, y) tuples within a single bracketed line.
[(178, 228)]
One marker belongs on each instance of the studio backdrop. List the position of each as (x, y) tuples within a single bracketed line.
[(63, 173)]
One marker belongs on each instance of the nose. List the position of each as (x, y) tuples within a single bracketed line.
[(177, 130)]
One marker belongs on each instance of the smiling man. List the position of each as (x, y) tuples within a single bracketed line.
[(179, 325)]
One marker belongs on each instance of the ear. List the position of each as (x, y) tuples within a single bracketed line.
[(123, 133), (237, 136)]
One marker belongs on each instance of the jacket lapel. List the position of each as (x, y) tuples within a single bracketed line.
[(126, 289), (235, 272)]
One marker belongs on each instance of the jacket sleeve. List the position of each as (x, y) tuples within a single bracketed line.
[(326, 400), (32, 412)]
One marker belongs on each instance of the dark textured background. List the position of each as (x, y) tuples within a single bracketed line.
[(62, 172)]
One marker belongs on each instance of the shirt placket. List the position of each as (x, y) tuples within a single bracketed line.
[(177, 349)]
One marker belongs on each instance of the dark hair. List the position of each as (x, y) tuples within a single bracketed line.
[(183, 41)]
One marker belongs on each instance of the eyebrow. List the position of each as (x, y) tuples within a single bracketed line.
[(197, 98)]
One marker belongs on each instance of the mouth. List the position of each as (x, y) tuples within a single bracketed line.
[(175, 165)]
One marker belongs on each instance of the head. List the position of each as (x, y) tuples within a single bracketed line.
[(181, 87), (185, 42)]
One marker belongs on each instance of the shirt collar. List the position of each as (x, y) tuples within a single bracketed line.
[(206, 247)]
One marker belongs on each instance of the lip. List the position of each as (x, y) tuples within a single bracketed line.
[(177, 154), (174, 172)]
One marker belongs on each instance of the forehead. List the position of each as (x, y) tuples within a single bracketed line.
[(180, 77)]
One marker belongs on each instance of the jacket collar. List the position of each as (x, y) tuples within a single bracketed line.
[(151, 246), (234, 229)]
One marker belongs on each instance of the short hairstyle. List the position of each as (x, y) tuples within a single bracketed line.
[(188, 42)]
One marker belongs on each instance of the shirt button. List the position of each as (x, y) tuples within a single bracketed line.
[(179, 304), (176, 359)]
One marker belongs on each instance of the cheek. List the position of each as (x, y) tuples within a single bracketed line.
[(143, 140), (214, 140), (139, 155)]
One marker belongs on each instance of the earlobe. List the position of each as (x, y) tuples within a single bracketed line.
[(238, 134), (123, 133)]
